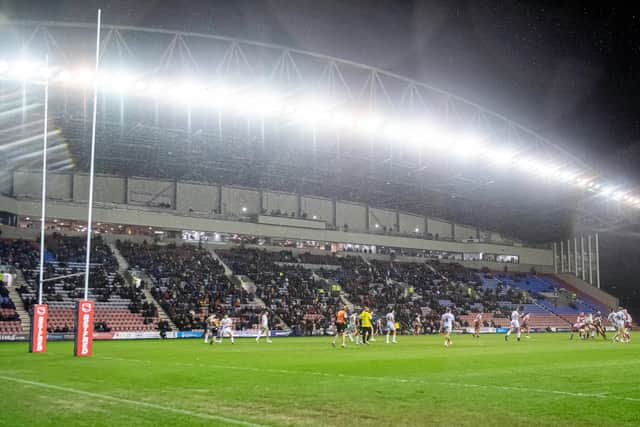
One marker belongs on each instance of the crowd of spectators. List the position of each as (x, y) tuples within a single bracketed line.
[(67, 259), (72, 249), (301, 290), (290, 291), (189, 283)]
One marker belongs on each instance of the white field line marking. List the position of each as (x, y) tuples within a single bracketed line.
[(386, 379), (132, 402)]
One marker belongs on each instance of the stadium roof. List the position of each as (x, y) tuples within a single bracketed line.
[(214, 108)]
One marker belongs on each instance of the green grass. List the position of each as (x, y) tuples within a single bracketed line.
[(547, 380)]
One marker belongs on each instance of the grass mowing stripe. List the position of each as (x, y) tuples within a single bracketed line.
[(132, 402), (389, 379)]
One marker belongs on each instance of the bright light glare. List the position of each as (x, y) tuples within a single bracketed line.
[(607, 191), (140, 86), (184, 93), (370, 122), (568, 175), (396, 130), (64, 76), (85, 76), (618, 195), (120, 82), (23, 69), (466, 146), (45, 72), (503, 157), (312, 111), (264, 104), (156, 89)]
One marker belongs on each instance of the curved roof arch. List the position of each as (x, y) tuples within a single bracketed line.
[(369, 86)]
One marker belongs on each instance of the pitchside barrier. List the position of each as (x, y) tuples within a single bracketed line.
[(143, 335)]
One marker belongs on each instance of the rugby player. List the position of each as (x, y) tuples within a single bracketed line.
[(391, 326), (227, 329), (515, 324), (341, 326), (264, 327), (525, 324), (477, 321), (446, 326)]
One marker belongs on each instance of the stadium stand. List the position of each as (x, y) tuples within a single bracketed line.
[(302, 290), (9, 318), (189, 284), (119, 307)]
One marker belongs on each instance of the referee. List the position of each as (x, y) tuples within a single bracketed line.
[(365, 325)]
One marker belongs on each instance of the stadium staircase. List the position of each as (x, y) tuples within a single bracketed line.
[(161, 313), (239, 281), (123, 265), (227, 271), (364, 258), (123, 268), (586, 291), (25, 319), (343, 295)]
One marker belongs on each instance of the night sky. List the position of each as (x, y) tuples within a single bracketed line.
[(568, 70)]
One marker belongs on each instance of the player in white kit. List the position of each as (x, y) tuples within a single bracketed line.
[(353, 331), (263, 329), (227, 329), (391, 326), (619, 319), (515, 324), (446, 326)]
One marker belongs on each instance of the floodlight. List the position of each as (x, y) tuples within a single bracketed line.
[(64, 76), (466, 145), (85, 76), (583, 182), (120, 82), (618, 195), (369, 122), (606, 191), (244, 209), (140, 86), (23, 69), (156, 89), (311, 111), (417, 230), (377, 225), (396, 130), (525, 165), (568, 175), (543, 169), (502, 156), (45, 72), (342, 119), (264, 104), (185, 92)]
